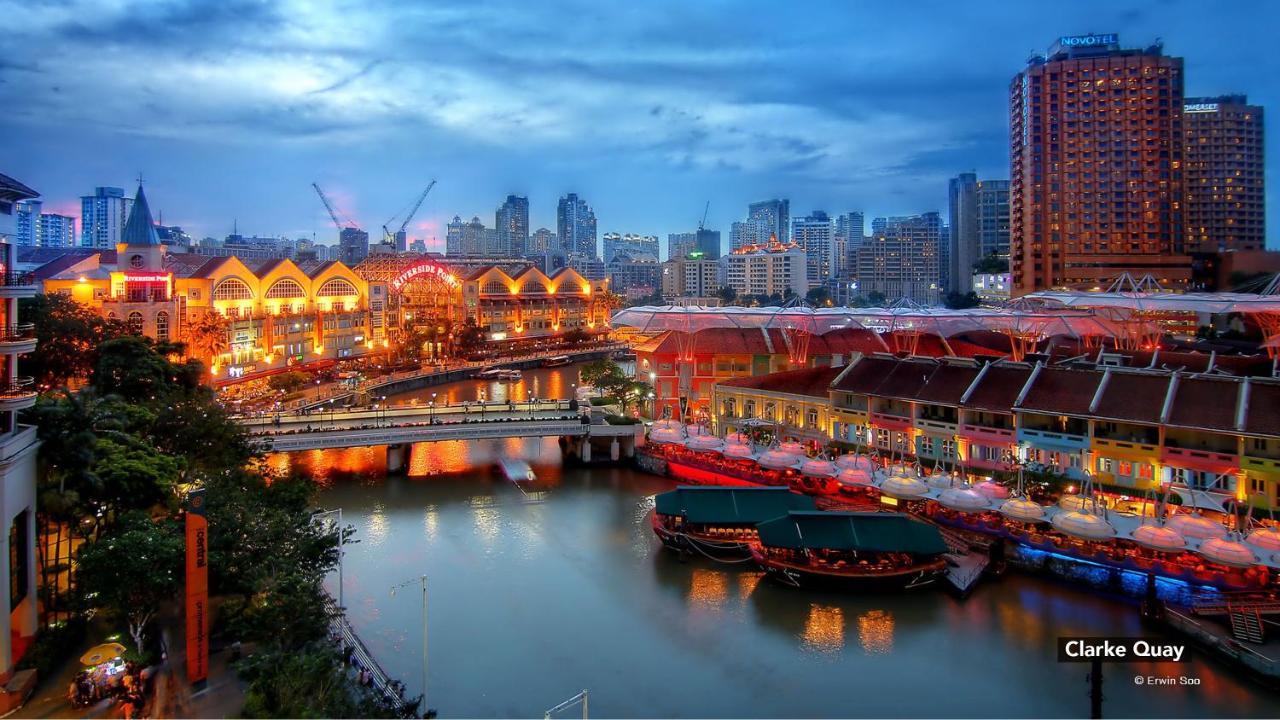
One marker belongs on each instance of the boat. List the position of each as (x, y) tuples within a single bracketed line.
[(556, 361), (720, 522), (850, 550), (499, 374)]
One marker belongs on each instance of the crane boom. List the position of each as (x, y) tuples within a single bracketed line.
[(416, 205), (328, 206), (705, 210)]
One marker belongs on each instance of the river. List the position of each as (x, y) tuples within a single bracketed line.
[(534, 598)]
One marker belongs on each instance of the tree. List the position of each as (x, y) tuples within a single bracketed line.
[(68, 335), (206, 337), (727, 295), (576, 336), (130, 367), (991, 264), (818, 296), (958, 301), (633, 393), (469, 339), (605, 375), (287, 382), (310, 682), (132, 570)]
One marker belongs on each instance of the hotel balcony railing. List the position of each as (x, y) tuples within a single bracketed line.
[(19, 279), (18, 387), (17, 333)]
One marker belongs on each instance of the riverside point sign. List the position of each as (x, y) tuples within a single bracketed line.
[(426, 267)]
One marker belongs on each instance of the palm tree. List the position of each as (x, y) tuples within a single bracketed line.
[(206, 337)]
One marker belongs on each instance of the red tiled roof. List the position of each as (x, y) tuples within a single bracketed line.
[(906, 378), (1137, 397), (947, 383), (1062, 391), (810, 382), (1204, 402), (999, 387), (1263, 415)]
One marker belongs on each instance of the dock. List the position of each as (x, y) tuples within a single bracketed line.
[(967, 560)]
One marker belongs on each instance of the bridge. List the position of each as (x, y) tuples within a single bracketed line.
[(398, 428)]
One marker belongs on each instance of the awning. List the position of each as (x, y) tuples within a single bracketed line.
[(869, 532)]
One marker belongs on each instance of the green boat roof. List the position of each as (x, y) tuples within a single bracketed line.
[(715, 505), (868, 531)]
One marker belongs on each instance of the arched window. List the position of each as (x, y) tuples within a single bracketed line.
[(162, 326), (533, 287), (285, 288), (337, 287), (135, 322), (495, 287), (232, 289)]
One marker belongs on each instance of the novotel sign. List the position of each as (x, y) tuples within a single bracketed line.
[(424, 268), (1088, 41)]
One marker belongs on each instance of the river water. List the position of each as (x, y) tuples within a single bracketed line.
[(534, 597)]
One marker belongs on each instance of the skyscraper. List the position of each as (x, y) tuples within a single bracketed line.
[(901, 261), (512, 223), (353, 244), (681, 244), (850, 232), (772, 218), (815, 234), (470, 239), (707, 242), (54, 230), (1226, 191), (102, 216), (1096, 186), (576, 225), (543, 241)]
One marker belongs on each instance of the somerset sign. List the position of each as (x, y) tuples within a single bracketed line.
[(427, 268)]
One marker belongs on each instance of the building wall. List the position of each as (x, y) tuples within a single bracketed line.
[(1225, 175)]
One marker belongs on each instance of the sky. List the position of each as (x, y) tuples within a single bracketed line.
[(229, 110)]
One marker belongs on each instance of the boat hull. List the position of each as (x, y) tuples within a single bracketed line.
[(683, 542), (917, 577)]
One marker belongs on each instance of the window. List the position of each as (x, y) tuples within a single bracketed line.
[(135, 322), (924, 445), (162, 326), (231, 289), (1106, 465), (948, 448), (494, 287), (749, 409), (285, 288), (811, 419), (136, 261), (337, 287)]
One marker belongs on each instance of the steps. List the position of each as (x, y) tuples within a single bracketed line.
[(1246, 623)]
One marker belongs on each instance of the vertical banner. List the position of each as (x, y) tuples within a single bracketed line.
[(197, 589)]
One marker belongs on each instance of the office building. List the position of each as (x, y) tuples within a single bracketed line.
[(511, 222), (576, 226), (542, 242), (34, 227), (466, 239), (770, 219), (692, 276), (1224, 174), (635, 274), (979, 215), (773, 269), (681, 244), (102, 217), (1096, 166), (707, 242), (630, 244), (815, 234), (902, 260), (353, 245)]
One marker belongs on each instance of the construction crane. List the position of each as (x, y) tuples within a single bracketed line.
[(703, 223), (333, 214), (388, 237)]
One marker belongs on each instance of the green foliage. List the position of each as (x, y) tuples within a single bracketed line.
[(957, 301), (469, 339), (991, 264), (132, 569), (53, 646), (601, 401), (131, 368), (818, 296), (727, 294), (133, 474), (308, 683), (620, 420), (576, 336), (68, 336), (289, 381), (605, 375)]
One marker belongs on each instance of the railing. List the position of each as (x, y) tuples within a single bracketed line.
[(17, 333), (23, 279), (18, 387), (380, 681)]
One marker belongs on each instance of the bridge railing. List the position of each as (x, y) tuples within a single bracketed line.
[(466, 409), (363, 437)]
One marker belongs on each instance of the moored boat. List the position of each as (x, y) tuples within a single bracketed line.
[(720, 521), (850, 550)]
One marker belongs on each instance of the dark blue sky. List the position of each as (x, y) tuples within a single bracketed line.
[(647, 109)]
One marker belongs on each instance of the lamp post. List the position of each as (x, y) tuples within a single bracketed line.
[(433, 408), (383, 403), (422, 579)]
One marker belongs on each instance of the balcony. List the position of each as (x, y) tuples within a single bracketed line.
[(17, 394), (18, 339), (1041, 437), (17, 285)]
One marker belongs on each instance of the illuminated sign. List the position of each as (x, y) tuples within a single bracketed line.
[(1200, 108), (146, 277), (1086, 41), (197, 590), (439, 272)]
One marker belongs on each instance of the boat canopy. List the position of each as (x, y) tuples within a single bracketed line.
[(1084, 525), (855, 461), (1020, 508), (1195, 525), (1158, 537), (963, 499), (818, 468), (730, 505), (1268, 538), (860, 531), (1228, 552)]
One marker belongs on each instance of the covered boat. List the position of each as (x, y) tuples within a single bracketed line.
[(854, 476), (667, 436), (1195, 525), (1228, 551), (1022, 509), (793, 447), (1159, 537), (850, 550), (1084, 525), (720, 521), (963, 498), (705, 442)]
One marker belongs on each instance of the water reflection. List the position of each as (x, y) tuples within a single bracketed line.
[(875, 632), (708, 588), (824, 628)]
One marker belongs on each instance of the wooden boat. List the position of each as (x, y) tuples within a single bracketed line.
[(850, 550), (556, 361), (499, 374), (718, 521)]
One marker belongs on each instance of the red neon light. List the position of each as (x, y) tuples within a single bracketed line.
[(424, 268)]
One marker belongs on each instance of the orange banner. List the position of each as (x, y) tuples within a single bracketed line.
[(197, 589)]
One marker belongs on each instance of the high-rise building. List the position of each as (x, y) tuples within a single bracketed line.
[(1096, 166), (901, 261), (542, 242), (772, 218), (102, 217), (979, 214), (630, 244), (815, 234), (353, 244), (771, 269), (512, 223), (691, 276), (470, 239), (944, 257), (26, 222), (576, 225), (54, 230), (849, 235), (707, 242), (1224, 175), (993, 219), (635, 274), (681, 244)]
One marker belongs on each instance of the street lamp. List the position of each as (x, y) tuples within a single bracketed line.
[(383, 402), (433, 408), (422, 579)]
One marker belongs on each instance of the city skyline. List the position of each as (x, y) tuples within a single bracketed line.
[(649, 119)]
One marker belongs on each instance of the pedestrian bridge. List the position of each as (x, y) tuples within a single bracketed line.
[(400, 427)]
